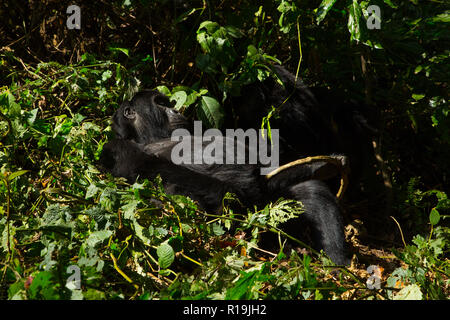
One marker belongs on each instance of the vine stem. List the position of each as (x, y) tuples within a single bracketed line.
[(8, 206), (121, 272)]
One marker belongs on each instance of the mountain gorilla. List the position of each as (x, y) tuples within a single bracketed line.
[(312, 121), (142, 147)]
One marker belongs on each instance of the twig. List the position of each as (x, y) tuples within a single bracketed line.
[(401, 233), (330, 159)]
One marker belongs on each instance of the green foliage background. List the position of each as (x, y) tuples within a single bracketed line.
[(59, 87)]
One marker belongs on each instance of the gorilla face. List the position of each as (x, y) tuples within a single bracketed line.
[(147, 118)]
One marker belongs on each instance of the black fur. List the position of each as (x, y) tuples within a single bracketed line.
[(312, 121), (142, 148), (147, 118), (208, 184)]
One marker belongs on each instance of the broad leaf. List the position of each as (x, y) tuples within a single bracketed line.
[(323, 9), (211, 111), (411, 292), (166, 255), (180, 97)]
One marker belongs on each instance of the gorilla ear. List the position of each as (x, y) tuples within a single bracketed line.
[(129, 113)]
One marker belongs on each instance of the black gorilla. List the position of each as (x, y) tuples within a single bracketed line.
[(312, 121), (147, 118), (142, 148)]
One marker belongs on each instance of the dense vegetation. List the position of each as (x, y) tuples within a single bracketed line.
[(59, 88)]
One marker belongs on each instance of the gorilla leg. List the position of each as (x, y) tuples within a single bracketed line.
[(322, 215)]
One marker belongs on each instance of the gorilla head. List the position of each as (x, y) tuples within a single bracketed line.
[(147, 118)]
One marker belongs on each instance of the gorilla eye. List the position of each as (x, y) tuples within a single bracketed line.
[(129, 113)]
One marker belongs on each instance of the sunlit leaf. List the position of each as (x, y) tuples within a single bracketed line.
[(323, 9)]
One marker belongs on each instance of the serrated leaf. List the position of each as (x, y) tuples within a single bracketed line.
[(129, 208), (97, 237), (91, 191), (217, 229), (108, 199), (241, 289), (31, 116), (142, 233), (44, 287), (410, 292), (166, 255)]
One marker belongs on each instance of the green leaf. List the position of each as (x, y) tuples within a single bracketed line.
[(252, 51), (143, 234), (180, 97), (323, 9), (123, 50), (242, 288), (109, 199), (13, 107), (217, 229), (434, 216), (16, 174), (186, 15), (165, 254), (147, 58), (97, 237), (91, 191), (284, 7), (390, 4), (16, 291), (93, 294), (44, 287), (205, 63), (410, 292), (129, 209), (164, 90), (355, 22), (417, 96), (234, 32), (418, 69), (31, 116), (210, 26), (211, 111), (443, 17), (106, 75)]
